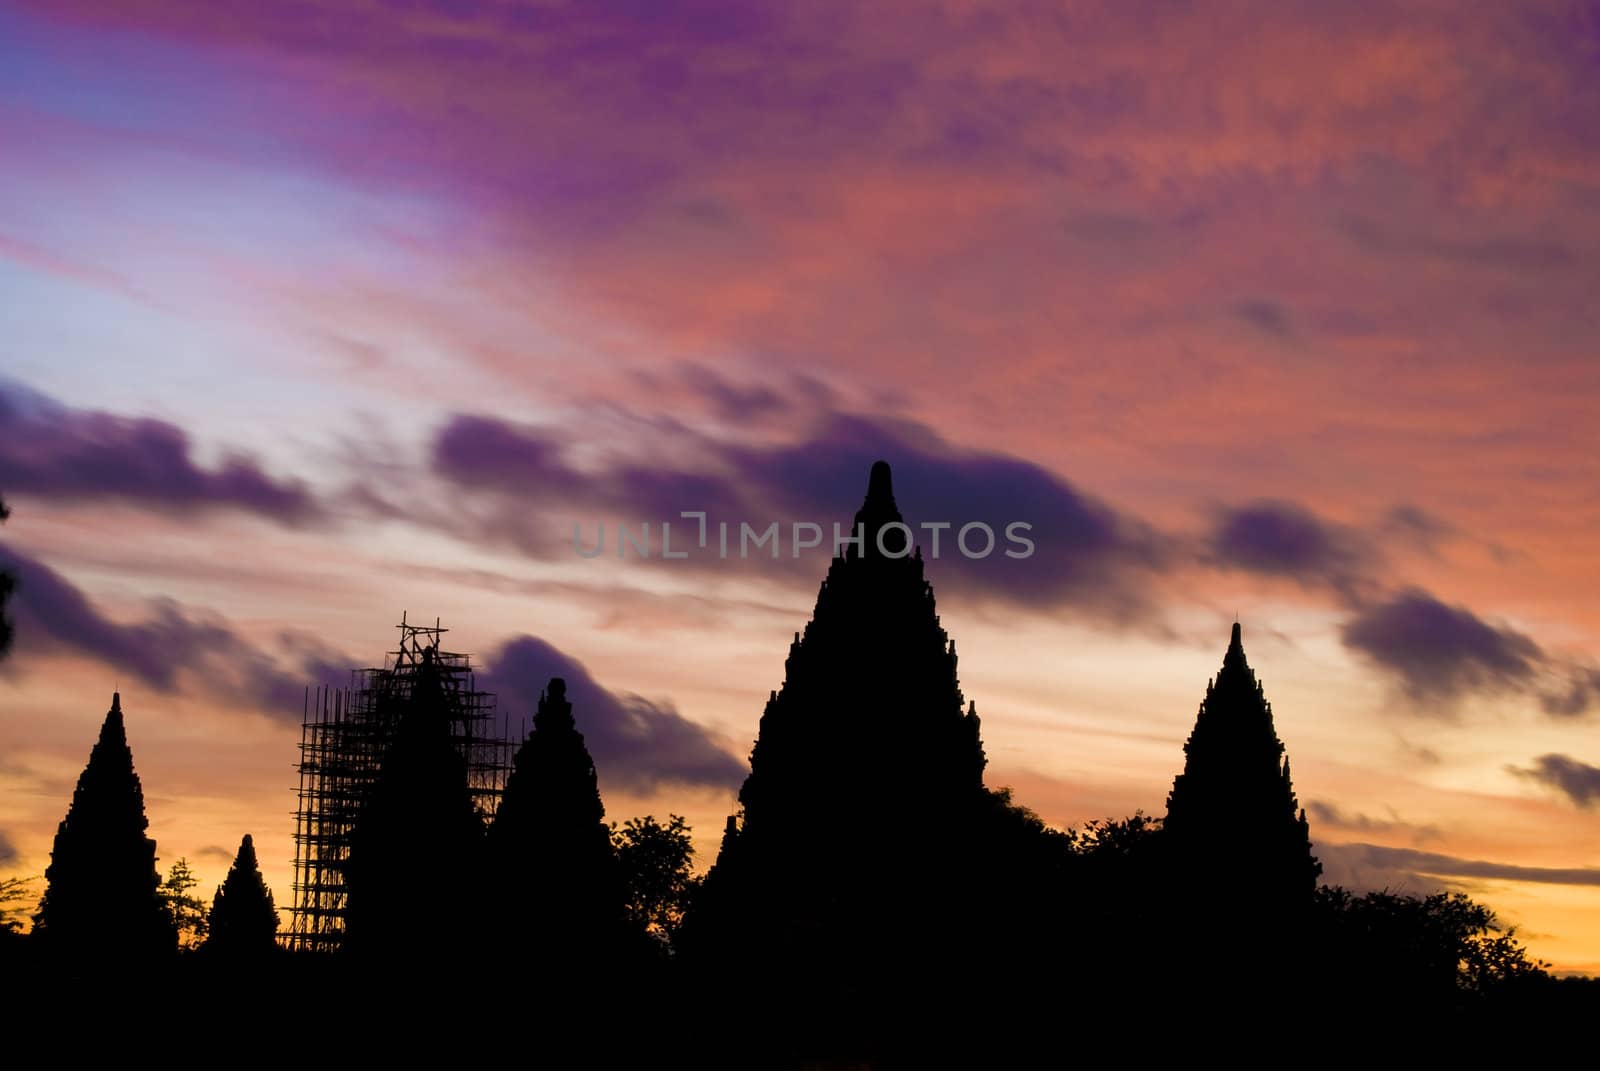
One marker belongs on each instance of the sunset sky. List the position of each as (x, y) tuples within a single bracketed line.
[(311, 315)]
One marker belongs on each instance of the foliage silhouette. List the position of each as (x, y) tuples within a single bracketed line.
[(656, 862), (1437, 947), (244, 921), (102, 900), (873, 902), (187, 912), (13, 892)]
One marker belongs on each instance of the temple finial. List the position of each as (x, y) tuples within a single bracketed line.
[(880, 485), (112, 727), (1235, 656), (876, 512)]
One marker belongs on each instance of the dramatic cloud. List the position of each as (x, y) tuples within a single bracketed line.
[(158, 650), (52, 451), (1368, 866), (1084, 552), (1578, 781), (637, 744), (1282, 539), (1439, 653)]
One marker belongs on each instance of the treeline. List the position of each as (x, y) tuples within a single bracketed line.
[(872, 903)]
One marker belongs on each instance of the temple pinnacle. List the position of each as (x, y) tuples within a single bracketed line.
[(880, 485)]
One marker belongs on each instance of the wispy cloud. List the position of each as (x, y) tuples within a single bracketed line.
[(1577, 781), (56, 452)]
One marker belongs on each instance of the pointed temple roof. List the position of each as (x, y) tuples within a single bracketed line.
[(869, 727), (1234, 802), (101, 896), (870, 704)]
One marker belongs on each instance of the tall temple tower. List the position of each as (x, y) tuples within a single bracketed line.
[(420, 818), (866, 777), (1232, 818)]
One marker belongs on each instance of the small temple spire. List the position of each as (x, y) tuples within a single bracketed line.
[(877, 511), (1235, 797), (1235, 655), (880, 485), (112, 727)]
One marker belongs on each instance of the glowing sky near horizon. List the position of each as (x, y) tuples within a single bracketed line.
[(1284, 310)]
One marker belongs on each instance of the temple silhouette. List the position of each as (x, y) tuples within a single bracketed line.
[(1233, 807), (869, 723), (873, 901), (101, 904), (417, 741), (551, 851)]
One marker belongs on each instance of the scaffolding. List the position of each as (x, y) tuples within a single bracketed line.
[(343, 738)]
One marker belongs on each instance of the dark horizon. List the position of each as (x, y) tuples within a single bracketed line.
[(1262, 317)]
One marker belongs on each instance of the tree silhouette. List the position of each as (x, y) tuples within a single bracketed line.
[(420, 815), (13, 892), (1440, 949), (244, 922), (102, 899), (550, 845), (656, 862), (188, 912)]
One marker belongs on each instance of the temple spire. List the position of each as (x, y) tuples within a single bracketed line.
[(1233, 808), (101, 901), (880, 485), (877, 511), (1234, 658)]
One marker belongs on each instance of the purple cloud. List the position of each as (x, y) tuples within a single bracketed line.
[(1274, 538), (53, 451), (637, 744), (482, 452), (732, 402), (1373, 866), (1084, 551), (1439, 652), (53, 614), (1578, 781), (1582, 693)]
